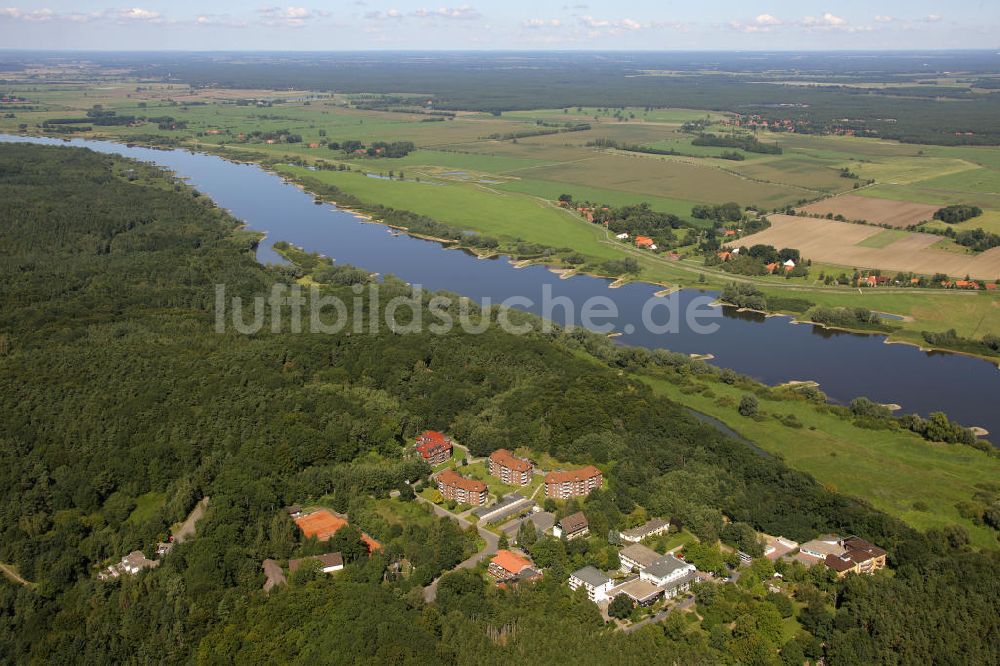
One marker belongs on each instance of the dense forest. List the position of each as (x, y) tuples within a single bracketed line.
[(115, 389)]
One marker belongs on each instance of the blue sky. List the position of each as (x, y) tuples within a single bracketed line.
[(514, 24)]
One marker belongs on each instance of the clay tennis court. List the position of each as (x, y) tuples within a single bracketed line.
[(320, 524), (832, 242), (900, 214)]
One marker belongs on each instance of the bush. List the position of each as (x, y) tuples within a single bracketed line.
[(749, 405)]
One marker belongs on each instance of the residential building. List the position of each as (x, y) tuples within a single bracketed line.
[(652, 527), (666, 570), (456, 487), (433, 446), (859, 557), (573, 483), (510, 469), (328, 563), (136, 561), (594, 581), (777, 547), (572, 527), (815, 551), (636, 557), (641, 592), (645, 241), (507, 565)]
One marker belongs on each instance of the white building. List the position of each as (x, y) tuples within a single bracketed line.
[(652, 527), (667, 570), (595, 582)]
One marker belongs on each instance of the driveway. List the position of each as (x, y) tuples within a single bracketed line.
[(492, 540)]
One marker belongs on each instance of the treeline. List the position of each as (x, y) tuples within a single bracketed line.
[(543, 131), (988, 345), (376, 149), (748, 143), (957, 213), (858, 318)]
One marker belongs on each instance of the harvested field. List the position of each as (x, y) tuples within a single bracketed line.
[(900, 214), (839, 243)]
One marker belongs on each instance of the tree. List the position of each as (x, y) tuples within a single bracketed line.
[(620, 607), (502, 543), (748, 405), (527, 534), (348, 542)]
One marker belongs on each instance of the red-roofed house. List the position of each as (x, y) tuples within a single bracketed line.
[(456, 487), (507, 565), (510, 469), (434, 447), (725, 256), (771, 267), (574, 483), (645, 241)]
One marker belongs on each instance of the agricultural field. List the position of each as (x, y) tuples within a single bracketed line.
[(887, 212), (865, 246)]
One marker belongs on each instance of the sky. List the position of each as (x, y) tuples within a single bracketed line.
[(508, 25)]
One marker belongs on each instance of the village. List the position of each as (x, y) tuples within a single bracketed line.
[(513, 505)]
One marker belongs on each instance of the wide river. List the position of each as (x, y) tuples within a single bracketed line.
[(771, 349)]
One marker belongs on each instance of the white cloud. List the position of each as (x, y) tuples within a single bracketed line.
[(463, 13), (610, 26), (884, 19), (219, 20), (46, 14), (137, 14), (541, 23), (767, 19), (289, 17), (933, 18), (381, 16)]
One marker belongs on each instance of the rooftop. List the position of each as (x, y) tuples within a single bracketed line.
[(665, 566), (650, 527), (637, 589), (452, 478), (574, 522), (510, 461), (511, 561), (591, 576), (325, 560), (640, 554), (572, 475)]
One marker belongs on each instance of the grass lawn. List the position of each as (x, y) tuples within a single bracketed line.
[(474, 207), (481, 472), (395, 511), (890, 470), (146, 506)]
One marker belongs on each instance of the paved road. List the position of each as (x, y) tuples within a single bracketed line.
[(659, 617), (430, 592)]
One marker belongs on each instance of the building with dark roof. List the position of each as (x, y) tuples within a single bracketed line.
[(593, 580), (652, 527), (572, 527), (328, 562)]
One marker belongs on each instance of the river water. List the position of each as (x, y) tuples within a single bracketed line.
[(770, 349)]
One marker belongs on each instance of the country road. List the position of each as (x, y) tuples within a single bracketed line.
[(492, 540)]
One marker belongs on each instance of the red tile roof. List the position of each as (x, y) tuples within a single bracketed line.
[(643, 241), (510, 461), (573, 475), (452, 478), (511, 562)]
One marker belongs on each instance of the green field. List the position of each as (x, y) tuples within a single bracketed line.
[(883, 238), (891, 470)]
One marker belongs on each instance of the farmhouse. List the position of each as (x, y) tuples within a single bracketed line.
[(328, 563), (456, 487), (510, 469), (622, 236), (572, 527), (433, 447), (789, 265), (650, 528), (573, 483), (592, 580), (645, 241)]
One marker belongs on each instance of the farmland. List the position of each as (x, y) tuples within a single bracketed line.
[(883, 212), (463, 175), (864, 246)]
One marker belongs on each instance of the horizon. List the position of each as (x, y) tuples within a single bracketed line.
[(411, 25)]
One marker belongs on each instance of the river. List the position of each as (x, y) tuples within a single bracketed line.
[(772, 350)]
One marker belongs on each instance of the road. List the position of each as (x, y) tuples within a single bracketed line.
[(12, 574), (659, 617), (492, 540)]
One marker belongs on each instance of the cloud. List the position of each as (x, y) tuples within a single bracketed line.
[(610, 26), (541, 23), (884, 19), (381, 16), (763, 23), (45, 14), (767, 19), (463, 13), (137, 14), (219, 20), (933, 18), (288, 17)]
